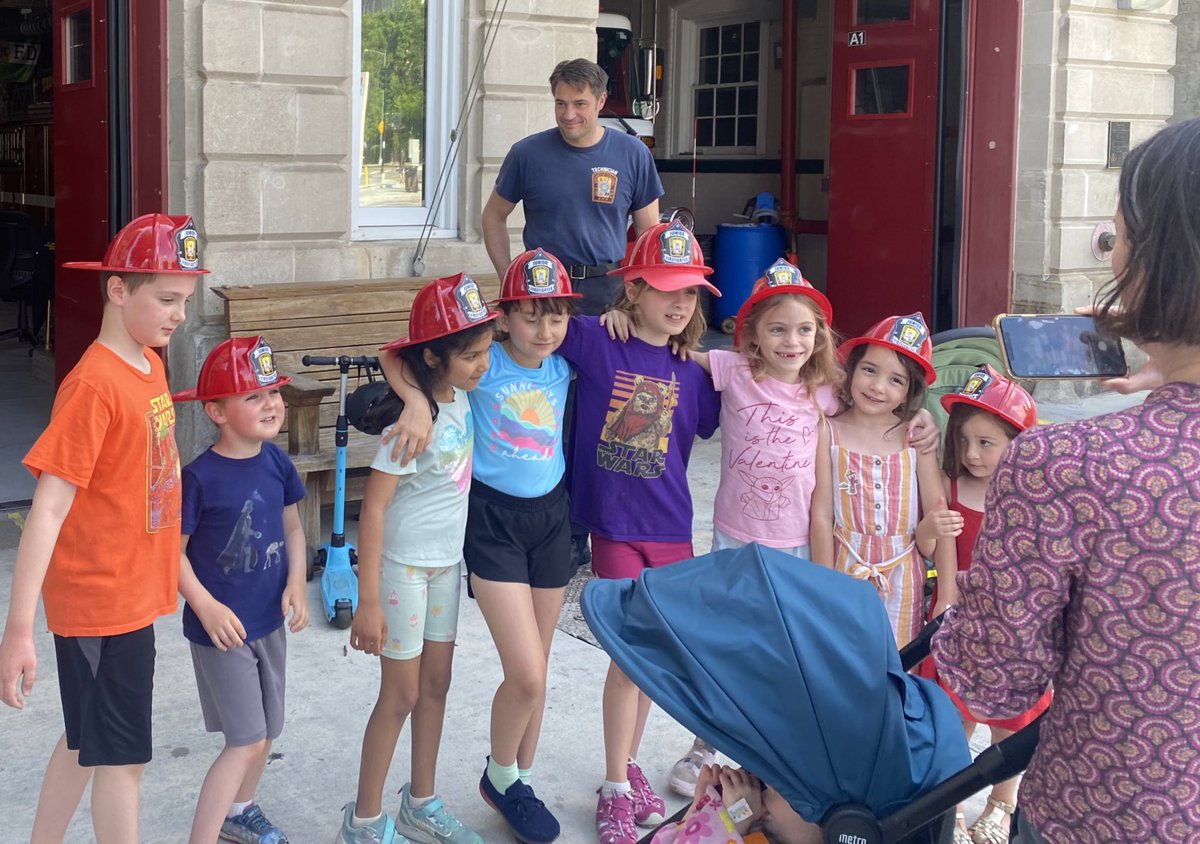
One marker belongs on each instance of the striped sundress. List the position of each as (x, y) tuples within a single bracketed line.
[(875, 515)]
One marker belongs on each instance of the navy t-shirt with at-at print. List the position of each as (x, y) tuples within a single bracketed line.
[(577, 200), (233, 514)]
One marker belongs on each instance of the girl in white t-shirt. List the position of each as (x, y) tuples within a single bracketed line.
[(410, 546)]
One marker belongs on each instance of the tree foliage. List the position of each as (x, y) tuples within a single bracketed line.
[(393, 43)]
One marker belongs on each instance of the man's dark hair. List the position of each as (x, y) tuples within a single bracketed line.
[(580, 73)]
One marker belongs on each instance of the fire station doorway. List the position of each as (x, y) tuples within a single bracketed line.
[(921, 165), (109, 146)]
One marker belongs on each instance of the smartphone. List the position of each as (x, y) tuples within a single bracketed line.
[(1044, 346)]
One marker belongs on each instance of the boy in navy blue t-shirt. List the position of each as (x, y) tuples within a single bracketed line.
[(242, 571)]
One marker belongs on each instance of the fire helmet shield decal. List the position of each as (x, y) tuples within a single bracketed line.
[(187, 247), (908, 332), (262, 362), (541, 278), (470, 300), (676, 245)]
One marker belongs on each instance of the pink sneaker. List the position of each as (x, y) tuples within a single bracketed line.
[(614, 819), (648, 807)]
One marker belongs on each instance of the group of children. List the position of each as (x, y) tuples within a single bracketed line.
[(826, 454)]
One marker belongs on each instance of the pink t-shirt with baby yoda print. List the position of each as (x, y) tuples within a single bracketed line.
[(768, 454)]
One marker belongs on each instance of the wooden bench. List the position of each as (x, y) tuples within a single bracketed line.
[(324, 318)]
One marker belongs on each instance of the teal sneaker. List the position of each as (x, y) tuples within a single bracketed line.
[(431, 823), (383, 831), (251, 827)]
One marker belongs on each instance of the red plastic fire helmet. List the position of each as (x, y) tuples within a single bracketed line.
[(235, 366), (779, 278), (908, 335), (668, 258), (536, 274), (991, 391), (444, 306), (152, 243)]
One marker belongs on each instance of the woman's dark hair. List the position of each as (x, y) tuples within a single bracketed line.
[(959, 414), (1156, 297), (914, 399), (426, 377)]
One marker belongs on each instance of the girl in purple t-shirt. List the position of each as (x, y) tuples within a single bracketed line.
[(638, 409)]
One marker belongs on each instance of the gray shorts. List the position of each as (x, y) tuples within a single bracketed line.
[(241, 689)]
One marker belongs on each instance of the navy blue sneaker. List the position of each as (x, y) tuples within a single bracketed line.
[(527, 817)]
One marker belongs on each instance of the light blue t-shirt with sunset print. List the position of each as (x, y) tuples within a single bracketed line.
[(518, 415)]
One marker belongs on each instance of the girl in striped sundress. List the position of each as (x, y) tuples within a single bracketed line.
[(872, 485)]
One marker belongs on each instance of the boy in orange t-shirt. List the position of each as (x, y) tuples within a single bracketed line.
[(101, 542)]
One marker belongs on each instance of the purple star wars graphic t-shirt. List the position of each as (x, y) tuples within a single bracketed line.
[(637, 410)]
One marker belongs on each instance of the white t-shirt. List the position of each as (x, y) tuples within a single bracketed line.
[(426, 519), (768, 454)]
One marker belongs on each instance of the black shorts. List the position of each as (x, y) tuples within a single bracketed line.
[(106, 684), (519, 540)]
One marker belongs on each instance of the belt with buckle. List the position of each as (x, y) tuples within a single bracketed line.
[(578, 272)]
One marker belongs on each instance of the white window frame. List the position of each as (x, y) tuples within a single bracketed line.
[(443, 47), (687, 48)]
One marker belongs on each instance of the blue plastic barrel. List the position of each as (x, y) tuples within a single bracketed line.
[(743, 253)]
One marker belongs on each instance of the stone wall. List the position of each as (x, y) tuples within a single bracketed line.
[(260, 145), (1084, 64)]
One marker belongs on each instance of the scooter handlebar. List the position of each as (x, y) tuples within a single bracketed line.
[(341, 361)]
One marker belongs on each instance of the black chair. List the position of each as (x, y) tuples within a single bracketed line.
[(18, 265)]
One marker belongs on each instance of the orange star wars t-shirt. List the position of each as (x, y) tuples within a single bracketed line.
[(115, 567)]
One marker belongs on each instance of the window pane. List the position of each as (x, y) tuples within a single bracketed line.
[(724, 135), (709, 41), (393, 80), (882, 11), (704, 102), (731, 69), (750, 33), (750, 67), (704, 133), (727, 101), (731, 38), (77, 39), (708, 72), (881, 90), (747, 131), (748, 100)]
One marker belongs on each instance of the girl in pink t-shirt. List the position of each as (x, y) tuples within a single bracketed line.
[(774, 389)]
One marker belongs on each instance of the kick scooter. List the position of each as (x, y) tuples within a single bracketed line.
[(339, 585)]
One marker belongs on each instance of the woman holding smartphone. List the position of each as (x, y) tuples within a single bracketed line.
[(1087, 571)]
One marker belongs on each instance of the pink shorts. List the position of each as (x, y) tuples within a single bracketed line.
[(612, 559)]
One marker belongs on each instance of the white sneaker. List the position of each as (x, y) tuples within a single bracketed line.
[(682, 778)]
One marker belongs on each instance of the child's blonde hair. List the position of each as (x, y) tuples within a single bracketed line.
[(820, 369), (684, 341)]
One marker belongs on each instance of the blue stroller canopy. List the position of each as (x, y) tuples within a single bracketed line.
[(789, 668)]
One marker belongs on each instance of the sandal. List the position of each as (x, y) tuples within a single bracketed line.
[(993, 825), (961, 836)]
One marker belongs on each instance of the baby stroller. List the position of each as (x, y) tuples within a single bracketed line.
[(791, 673)]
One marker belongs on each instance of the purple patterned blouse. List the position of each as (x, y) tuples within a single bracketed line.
[(1087, 575)]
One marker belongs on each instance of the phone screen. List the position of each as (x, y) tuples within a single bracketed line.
[(1059, 346)]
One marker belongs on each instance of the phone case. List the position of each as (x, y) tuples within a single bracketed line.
[(1008, 368)]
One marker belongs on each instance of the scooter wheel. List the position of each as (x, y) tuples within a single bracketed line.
[(318, 562), (354, 559), (342, 616), (729, 325)]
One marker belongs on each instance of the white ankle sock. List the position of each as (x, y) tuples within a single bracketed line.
[(416, 802), (237, 808), (610, 788), (360, 823)]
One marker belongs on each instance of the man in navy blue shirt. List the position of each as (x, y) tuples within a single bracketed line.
[(579, 183)]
